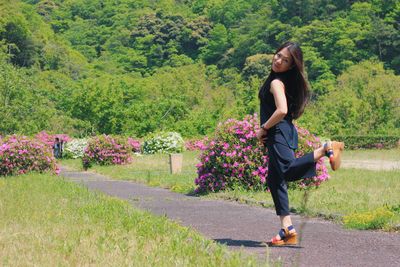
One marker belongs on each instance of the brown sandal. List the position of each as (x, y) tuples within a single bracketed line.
[(333, 150), (287, 238)]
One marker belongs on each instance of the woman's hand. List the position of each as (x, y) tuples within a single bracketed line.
[(262, 135)]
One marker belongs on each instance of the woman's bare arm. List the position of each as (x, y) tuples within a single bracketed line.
[(278, 91)]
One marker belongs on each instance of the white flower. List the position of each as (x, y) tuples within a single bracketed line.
[(75, 148), (170, 142)]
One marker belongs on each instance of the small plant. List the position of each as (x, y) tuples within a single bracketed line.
[(20, 154), (106, 150), (75, 148), (396, 209), (376, 219), (169, 142)]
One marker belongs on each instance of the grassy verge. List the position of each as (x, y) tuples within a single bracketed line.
[(373, 154), (152, 170), (354, 196), (362, 199), (47, 221), (74, 164)]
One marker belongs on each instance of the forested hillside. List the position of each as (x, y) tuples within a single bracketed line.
[(134, 67)]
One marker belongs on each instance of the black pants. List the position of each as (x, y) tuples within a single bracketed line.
[(283, 167)]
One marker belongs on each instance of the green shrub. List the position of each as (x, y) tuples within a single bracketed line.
[(368, 141), (375, 219)]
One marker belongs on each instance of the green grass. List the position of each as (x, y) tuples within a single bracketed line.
[(348, 192), (375, 219), (46, 221), (75, 164), (373, 154), (152, 170)]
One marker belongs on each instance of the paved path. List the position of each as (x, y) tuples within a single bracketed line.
[(323, 243)]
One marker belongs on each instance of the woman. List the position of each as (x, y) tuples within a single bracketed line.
[(57, 148), (283, 97)]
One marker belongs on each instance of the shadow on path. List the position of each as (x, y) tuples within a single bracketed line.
[(238, 243), (248, 243)]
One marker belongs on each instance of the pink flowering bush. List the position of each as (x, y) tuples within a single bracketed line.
[(134, 145), (235, 158), (308, 143), (196, 144), (49, 139), (106, 150), (19, 155)]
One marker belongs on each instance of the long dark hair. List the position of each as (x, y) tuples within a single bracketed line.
[(295, 81)]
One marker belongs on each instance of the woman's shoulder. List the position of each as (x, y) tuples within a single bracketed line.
[(277, 80), (277, 83)]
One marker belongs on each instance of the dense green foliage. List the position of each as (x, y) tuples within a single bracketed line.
[(369, 141), (365, 102), (135, 67)]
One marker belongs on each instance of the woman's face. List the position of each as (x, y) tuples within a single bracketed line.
[(282, 61)]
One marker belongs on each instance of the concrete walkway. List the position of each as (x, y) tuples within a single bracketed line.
[(323, 243)]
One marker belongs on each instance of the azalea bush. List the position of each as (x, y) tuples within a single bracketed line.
[(106, 150), (75, 148), (49, 139), (20, 154), (168, 142), (196, 144), (235, 158), (134, 145), (308, 143)]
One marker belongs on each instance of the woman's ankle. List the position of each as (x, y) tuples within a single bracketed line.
[(291, 229), (285, 232), (319, 153), (328, 148)]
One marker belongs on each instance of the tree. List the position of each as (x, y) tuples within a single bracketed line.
[(217, 45), (365, 101), (258, 65)]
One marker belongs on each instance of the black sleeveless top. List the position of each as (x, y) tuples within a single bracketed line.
[(268, 107)]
